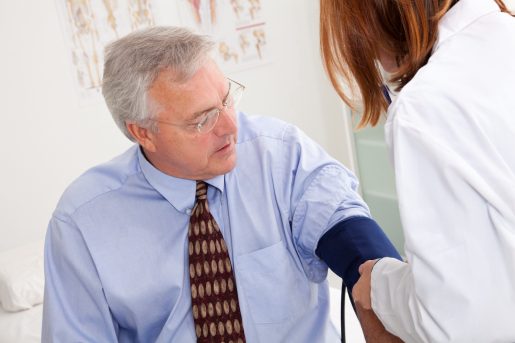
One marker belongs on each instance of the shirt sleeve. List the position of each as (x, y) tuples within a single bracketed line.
[(322, 192), (446, 207), (75, 309)]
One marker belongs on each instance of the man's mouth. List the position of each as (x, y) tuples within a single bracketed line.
[(224, 147)]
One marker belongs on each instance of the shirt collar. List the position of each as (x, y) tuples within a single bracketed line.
[(178, 192), (463, 13)]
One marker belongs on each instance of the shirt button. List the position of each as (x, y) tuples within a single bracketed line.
[(188, 211)]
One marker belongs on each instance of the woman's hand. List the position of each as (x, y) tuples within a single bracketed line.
[(362, 288)]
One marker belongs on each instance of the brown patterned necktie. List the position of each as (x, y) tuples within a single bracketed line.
[(215, 307)]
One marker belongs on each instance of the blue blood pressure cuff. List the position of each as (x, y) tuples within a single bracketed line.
[(351, 242)]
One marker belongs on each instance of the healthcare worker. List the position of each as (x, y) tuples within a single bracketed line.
[(451, 137)]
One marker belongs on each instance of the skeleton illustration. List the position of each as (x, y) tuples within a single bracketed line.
[(237, 7), (255, 7), (86, 42), (197, 10), (260, 41), (244, 42), (110, 6), (226, 52), (140, 14)]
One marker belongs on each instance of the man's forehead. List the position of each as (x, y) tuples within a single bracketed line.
[(187, 99)]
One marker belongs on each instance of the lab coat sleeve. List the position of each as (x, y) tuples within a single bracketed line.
[(445, 204), (75, 309)]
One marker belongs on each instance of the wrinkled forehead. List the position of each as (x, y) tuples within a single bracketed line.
[(205, 89)]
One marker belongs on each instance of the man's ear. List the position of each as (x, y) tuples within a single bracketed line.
[(145, 137)]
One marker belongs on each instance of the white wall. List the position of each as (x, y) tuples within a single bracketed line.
[(47, 140)]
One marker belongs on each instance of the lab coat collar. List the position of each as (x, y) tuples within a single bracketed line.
[(178, 192), (463, 13)]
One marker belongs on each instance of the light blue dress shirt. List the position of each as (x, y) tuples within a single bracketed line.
[(116, 257)]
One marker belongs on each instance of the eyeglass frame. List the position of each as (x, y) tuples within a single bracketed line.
[(213, 113)]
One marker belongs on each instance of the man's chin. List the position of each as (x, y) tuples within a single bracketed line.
[(228, 165), (223, 162)]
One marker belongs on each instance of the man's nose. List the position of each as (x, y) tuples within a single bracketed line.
[(226, 123)]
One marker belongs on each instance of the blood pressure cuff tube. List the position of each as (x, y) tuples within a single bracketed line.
[(351, 242)]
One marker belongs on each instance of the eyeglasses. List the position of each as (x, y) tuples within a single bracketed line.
[(207, 120)]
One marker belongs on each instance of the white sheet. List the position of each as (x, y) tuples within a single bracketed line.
[(21, 327), (25, 326), (22, 277)]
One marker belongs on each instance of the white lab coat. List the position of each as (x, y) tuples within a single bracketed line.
[(451, 134)]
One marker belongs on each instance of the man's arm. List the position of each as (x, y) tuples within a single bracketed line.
[(373, 329), (75, 309), (321, 194), (344, 248)]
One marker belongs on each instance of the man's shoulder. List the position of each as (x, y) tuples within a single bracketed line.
[(98, 180), (252, 127)]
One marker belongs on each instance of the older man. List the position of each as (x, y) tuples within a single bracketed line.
[(210, 228)]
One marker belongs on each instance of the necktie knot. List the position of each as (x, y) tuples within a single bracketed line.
[(201, 192)]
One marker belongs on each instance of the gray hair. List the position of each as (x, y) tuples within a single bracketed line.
[(133, 63)]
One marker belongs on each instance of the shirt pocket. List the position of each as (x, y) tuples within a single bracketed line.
[(271, 283)]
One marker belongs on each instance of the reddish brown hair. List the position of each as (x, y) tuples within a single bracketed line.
[(353, 34)]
